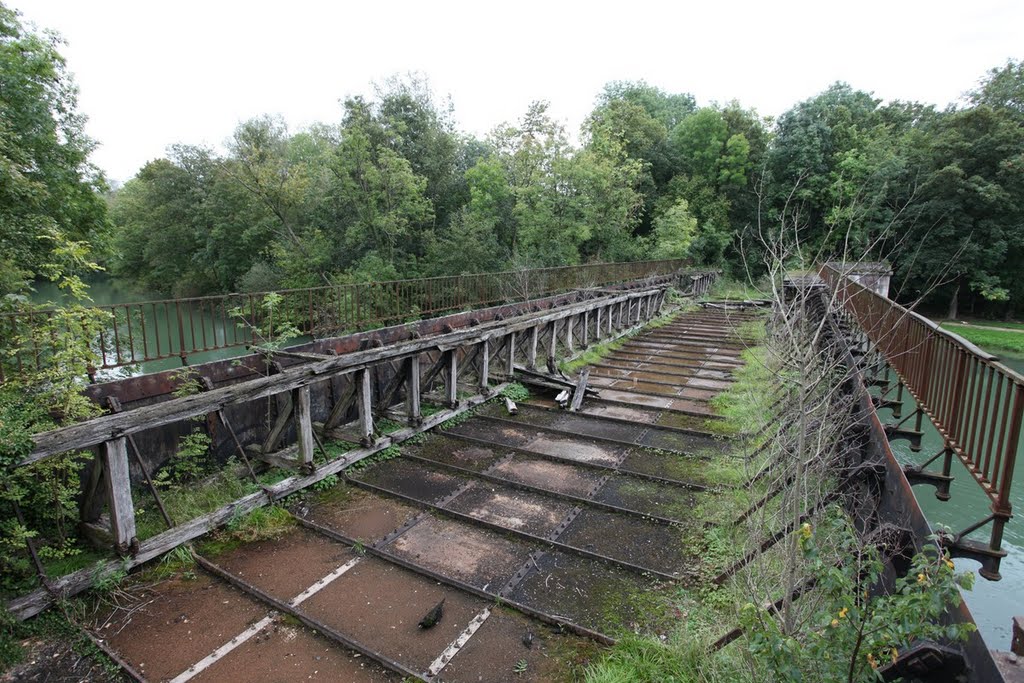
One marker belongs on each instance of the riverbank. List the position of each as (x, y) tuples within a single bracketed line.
[(992, 339)]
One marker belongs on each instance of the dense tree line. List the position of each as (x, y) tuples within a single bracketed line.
[(393, 188)]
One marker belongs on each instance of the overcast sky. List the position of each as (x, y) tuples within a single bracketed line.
[(156, 73)]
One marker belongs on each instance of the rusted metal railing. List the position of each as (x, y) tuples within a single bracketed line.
[(155, 330), (975, 402)]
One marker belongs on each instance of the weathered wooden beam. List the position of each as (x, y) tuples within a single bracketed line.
[(581, 389), (303, 426), (510, 361), (485, 367), (570, 323), (284, 418), (35, 602), (365, 402), (342, 405), (386, 398), (531, 354), (119, 494), (585, 341), (451, 378), (413, 410), (98, 430)]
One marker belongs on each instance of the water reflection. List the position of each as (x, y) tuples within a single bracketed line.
[(993, 604)]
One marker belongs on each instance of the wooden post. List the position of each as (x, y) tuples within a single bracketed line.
[(485, 367), (451, 379), (412, 392), (303, 425), (570, 323), (553, 343), (531, 355), (119, 494), (597, 327), (365, 402), (511, 371), (609, 313), (586, 329)]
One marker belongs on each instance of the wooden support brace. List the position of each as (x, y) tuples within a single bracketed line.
[(609, 311), (412, 391), (586, 329), (581, 389), (285, 405), (597, 325), (485, 367), (531, 355), (510, 369), (451, 378), (552, 343), (119, 496), (570, 323), (303, 426), (388, 395), (365, 403), (342, 405)]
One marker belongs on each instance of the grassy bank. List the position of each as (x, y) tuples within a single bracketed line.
[(989, 339)]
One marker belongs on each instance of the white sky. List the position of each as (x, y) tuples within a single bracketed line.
[(156, 73)]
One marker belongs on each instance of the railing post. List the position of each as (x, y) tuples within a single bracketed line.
[(119, 496)]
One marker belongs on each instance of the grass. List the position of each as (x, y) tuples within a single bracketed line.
[(988, 339), (728, 288)]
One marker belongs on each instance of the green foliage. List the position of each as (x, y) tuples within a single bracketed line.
[(271, 521), (855, 628), (516, 392)]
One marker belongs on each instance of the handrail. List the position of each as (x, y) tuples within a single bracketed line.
[(975, 402), (140, 332)]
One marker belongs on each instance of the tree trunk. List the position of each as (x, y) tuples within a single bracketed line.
[(953, 303)]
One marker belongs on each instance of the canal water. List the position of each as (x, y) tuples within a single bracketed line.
[(160, 324), (993, 603)]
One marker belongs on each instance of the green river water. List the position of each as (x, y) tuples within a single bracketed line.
[(993, 604)]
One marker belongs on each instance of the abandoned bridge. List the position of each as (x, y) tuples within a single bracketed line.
[(489, 494)]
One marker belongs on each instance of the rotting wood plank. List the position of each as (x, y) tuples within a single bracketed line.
[(35, 602), (341, 406), (365, 403), (303, 426), (414, 413), (581, 389), (119, 494)]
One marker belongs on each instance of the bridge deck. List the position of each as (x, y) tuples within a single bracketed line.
[(539, 531)]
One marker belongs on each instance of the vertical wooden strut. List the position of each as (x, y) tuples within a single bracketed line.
[(552, 345), (365, 402), (511, 362), (451, 378), (303, 426), (531, 356), (412, 392), (585, 341), (597, 324), (485, 367), (570, 323), (119, 495)]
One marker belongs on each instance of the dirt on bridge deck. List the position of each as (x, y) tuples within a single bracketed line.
[(540, 532)]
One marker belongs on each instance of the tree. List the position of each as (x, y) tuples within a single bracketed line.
[(50, 193)]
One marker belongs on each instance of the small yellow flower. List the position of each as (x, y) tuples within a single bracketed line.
[(843, 612), (949, 563), (921, 578), (835, 622), (871, 661)]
